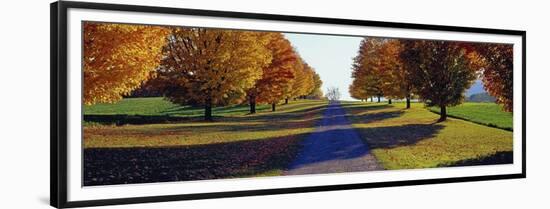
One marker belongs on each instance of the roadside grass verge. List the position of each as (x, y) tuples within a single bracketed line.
[(158, 106), (408, 139), (489, 114), (236, 144)]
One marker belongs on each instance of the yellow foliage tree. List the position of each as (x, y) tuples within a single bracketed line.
[(210, 67), (118, 58), (316, 93), (303, 82)]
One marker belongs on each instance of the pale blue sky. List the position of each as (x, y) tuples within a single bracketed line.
[(330, 56)]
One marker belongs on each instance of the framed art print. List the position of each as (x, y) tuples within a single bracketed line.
[(161, 104)]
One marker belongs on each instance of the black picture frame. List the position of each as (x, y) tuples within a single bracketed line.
[(58, 102)]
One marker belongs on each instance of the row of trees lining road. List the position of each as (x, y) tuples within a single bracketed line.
[(437, 72), (194, 66)]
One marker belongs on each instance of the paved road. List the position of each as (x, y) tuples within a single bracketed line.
[(334, 147)]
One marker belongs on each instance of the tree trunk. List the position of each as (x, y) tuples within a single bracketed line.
[(378, 99), (408, 102), (286, 101), (252, 104), (443, 114), (371, 99), (273, 107), (389, 101), (208, 110)]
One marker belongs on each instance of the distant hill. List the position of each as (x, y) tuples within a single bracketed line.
[(476, 88), (480, 97)]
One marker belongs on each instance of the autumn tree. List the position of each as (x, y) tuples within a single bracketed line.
[(288, 89), (118, 58), (357, 88), (209, 67), (356, 92), (440, 72), (497, 72), (366, 81), (309, 81), (396, 82), (303, 82), (316, 92), (276, 76)]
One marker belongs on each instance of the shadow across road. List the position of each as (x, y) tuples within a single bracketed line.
[(335, 146)]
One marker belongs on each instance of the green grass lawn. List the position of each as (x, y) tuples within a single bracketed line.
[(235, 144), (405, 139), (489, 114), (237, 125), (157, 106)]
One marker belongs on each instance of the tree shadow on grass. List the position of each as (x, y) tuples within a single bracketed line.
[(108, 166), (188, 110), (278, 116), (375, 117), (241, 126), (276, 121), (406, 135), (124, 119), (374, 106), (395, 136), (505, 157), (242, 108)]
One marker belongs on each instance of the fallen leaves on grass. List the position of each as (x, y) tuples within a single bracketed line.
[(412, 139), (194, 151)]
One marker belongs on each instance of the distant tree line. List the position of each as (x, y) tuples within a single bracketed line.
[(481, 97), (436, 72)]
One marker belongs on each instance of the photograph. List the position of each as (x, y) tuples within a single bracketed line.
[(172, 103)]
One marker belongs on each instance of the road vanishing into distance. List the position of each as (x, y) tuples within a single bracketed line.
[(334, 147)]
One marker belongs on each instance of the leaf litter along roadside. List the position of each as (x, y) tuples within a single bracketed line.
[(263, 152), (409, 139)]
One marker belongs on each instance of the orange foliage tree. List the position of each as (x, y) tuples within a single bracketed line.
[(310, 82), (209, 67), (276, 76), (497, 72), (395, 77), (316, 93), (303, 82), (118, 58)]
